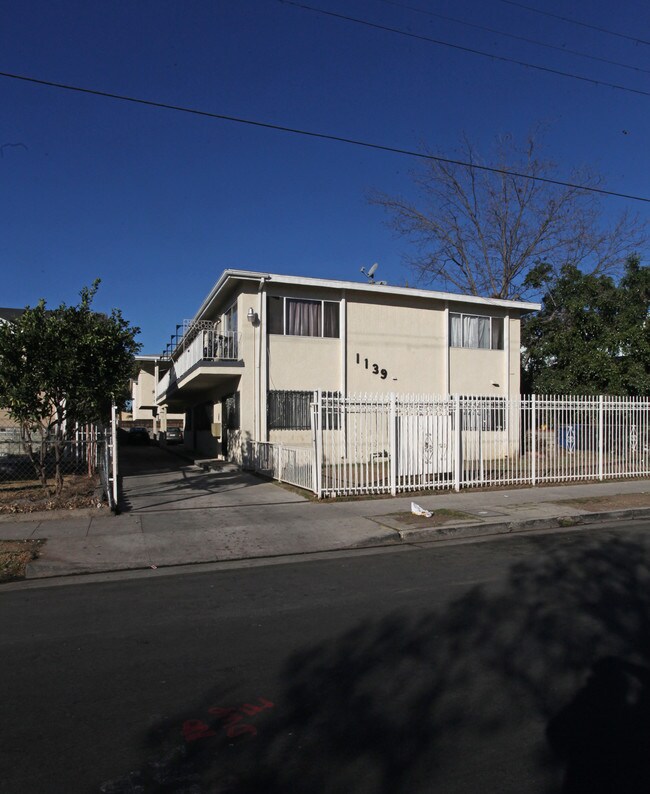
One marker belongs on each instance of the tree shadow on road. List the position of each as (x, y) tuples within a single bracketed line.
[(500, 678)]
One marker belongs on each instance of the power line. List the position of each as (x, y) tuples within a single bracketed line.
[(576, 22), (461, 48), (525, 39), (319, 135)]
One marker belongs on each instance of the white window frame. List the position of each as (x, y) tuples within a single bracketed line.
[(322, 301), (463, 346), (226, 318)]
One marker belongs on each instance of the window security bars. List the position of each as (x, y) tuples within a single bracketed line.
[(289, 410), (231, 412)]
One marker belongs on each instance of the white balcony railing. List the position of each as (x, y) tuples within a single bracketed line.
[(206, 346)]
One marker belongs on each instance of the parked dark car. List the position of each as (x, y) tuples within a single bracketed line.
[(138, 435), (174, 435)]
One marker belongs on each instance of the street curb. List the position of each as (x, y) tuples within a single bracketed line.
[(402, 537), (525, 525)]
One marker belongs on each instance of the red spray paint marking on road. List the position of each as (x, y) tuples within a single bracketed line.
[(232, 719)]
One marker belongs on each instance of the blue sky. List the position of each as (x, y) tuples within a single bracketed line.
[(158, 203)]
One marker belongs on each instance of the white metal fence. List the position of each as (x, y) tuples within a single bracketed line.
[(374, 444), (399, 443), (294, 465)]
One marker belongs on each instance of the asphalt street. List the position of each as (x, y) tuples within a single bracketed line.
[(508, 665)]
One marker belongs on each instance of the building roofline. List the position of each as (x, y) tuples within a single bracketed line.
[(9, 314), (354, 286)]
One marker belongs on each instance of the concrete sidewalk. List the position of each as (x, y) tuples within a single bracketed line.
[(284, 524)]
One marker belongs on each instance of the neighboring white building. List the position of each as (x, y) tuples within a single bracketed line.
[(261, 343)]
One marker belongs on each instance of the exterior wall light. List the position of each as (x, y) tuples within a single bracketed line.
[(252, 317)]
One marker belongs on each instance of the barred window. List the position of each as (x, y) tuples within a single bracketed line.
[(231, 412), (487, 414), (289, 410)]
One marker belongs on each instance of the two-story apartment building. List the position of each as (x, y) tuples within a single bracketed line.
[(260, 344)]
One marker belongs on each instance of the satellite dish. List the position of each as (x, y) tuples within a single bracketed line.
[(370, 273)]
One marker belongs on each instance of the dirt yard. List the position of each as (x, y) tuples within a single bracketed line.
[(21, 497)]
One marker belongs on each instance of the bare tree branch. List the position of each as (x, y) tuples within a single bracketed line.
[(482, 232)]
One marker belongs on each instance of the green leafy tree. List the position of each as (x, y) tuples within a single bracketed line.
[(63, 366), (592, 335)]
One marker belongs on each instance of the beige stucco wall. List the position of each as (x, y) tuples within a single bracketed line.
[(250, 417), (304, 363), (143, 393), (476, 372), (407, 339), (515, 357)]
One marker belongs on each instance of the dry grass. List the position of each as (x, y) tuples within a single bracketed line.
[(20, 497), (15, 556), (622, 501)]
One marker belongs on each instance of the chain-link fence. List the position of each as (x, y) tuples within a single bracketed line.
[(25, 457)]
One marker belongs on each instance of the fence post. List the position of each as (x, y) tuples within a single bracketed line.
[(458, 456), (114, 450), (316, 421), (392, 440), (601, 425), (280, 462), (533, 439)]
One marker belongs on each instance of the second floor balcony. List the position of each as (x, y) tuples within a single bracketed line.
[(207, 347)]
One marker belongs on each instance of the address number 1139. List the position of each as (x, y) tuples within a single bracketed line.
[(383, 374)]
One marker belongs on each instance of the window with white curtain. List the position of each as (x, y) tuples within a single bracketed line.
[(476, 331)]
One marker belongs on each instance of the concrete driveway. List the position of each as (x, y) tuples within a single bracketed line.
[(158, 479)]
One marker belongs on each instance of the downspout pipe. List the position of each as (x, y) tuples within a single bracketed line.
[(258, 362)]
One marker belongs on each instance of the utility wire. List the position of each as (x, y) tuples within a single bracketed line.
[(576, 22), (461, 48), (536, 42), (319, 135)]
